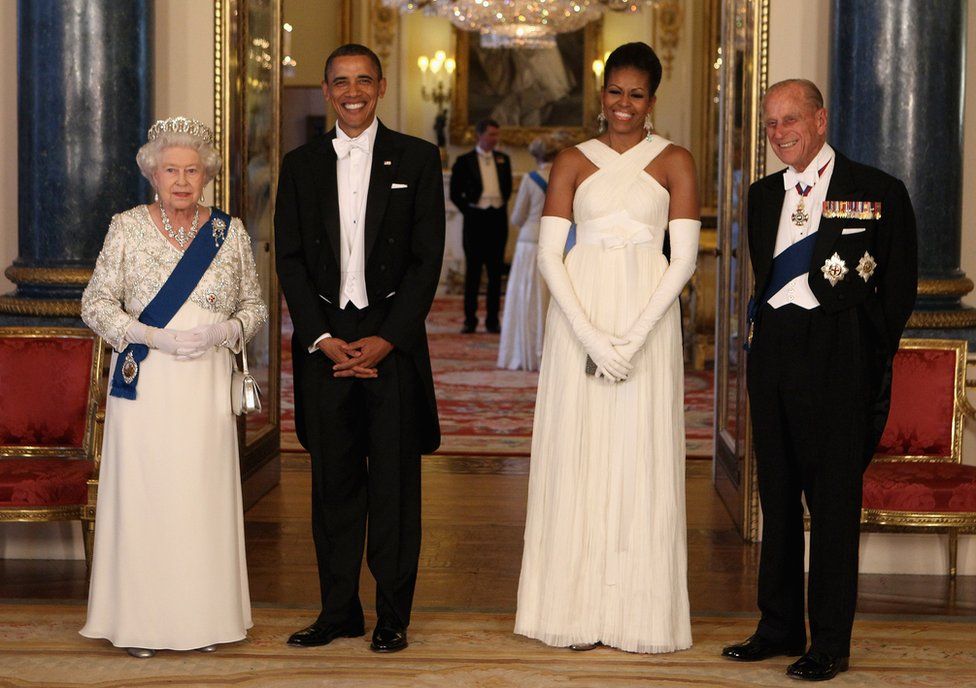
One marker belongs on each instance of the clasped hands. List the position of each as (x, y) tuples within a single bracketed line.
[(359, 359), (187, 345), (612, 355)]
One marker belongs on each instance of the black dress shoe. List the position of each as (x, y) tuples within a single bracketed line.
[(756, 648), (323, 634), (468, 329), (817, 666), (493, 329), (388, 638)]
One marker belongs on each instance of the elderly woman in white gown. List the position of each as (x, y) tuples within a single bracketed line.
[(526, 295), (174, 292)]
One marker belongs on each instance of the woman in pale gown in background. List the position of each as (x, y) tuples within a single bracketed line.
[(526, 295), (169, 569), (605, 547)]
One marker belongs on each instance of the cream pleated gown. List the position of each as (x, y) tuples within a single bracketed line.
[(169, 570), (605, 556)]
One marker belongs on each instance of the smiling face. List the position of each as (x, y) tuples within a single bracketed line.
[(626, 100), (354, 88), (179, 177), (795, 127)]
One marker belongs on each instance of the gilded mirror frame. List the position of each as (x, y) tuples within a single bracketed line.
[(247, 111), (742, 145)]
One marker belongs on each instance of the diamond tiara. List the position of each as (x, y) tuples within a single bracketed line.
[(181, 125)]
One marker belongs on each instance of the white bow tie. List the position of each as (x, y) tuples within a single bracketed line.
[(806, 178), (343, 147)]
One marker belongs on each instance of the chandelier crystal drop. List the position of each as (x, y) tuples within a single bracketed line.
[(517, 23)]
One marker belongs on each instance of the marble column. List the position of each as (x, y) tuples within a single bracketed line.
[(896, 102), (84, 105)]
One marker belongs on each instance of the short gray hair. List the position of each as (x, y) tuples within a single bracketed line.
[(811, 93), (148, 156)]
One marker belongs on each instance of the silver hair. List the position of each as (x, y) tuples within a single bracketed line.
[(148, 156), (811, 93), (544, 148)]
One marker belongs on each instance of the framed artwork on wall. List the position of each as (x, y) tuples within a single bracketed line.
[(528, 91)]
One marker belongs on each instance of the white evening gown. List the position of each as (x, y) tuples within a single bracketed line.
[(169, 570), (605, 555), (526, 294)]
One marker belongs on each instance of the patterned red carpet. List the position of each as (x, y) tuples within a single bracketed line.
[(484, 410)]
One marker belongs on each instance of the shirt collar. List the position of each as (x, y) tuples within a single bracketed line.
[(810, 175), (484, 153), (368, 136)]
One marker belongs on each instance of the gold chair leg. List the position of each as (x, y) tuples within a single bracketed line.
[(953, 551)]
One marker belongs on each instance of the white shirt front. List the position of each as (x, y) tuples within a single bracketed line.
[(352, 176), (491, 191), (352, 183), (797, 291)]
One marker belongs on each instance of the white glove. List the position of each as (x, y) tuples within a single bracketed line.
[(155, 338), (684, 254), (195, 342), (598, 345)]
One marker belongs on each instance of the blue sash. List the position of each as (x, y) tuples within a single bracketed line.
[(787, 266), (170, 298), (537, 178)]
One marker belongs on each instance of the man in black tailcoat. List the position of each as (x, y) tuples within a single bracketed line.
[(834, 256), (359, 238), (481, 184)]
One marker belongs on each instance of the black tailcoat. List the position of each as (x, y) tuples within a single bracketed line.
[(819, 391)]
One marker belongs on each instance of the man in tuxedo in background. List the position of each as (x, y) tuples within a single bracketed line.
[(834, 256), (359, 238), (481, 183)]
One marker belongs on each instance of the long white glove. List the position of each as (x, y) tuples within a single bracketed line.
[(154, 337), (684, 255), (197, 341), (598, 345)]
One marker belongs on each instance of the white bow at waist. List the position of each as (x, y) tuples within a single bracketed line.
[(615, 231)]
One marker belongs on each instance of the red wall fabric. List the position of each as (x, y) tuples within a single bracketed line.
[(44, 390)]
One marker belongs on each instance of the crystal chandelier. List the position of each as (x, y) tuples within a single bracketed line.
[(518, 23)]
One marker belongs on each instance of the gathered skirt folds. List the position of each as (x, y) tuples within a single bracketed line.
[(524, 319), (169, 569), (605, 554)]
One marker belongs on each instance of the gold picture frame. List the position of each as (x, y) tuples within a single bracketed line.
[(463, 120)]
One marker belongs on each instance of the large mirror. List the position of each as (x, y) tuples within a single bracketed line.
[(741, 161), (246, 112)]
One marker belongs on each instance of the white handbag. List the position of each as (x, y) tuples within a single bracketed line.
[(245, 395)]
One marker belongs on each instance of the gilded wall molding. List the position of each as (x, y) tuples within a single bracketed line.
[(384, 28), (669, 17)]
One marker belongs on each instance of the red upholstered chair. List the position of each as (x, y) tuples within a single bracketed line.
[(49, 443), (917, 478)]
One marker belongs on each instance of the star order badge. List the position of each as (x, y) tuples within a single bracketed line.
[(834, 269), (866, 266)]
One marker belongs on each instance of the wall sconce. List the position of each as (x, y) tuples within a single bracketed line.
[(288, 63), (437, 75)]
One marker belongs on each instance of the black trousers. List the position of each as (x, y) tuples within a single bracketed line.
[(812, 381), (362, 436), (485, 235)]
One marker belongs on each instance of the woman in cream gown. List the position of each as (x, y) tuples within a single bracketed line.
[(605, 548), (169, 569), (526, 295)]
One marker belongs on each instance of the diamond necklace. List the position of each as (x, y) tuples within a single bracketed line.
[(181, 235)]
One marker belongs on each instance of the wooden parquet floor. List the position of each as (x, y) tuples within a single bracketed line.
[(911, 630)]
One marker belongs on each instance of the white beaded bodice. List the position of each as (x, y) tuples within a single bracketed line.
[(135, 262)]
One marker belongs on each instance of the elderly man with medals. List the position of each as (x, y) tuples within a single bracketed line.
[(834, 256), (174, 292)]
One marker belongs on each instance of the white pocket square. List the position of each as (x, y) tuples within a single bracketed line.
[(395, 185), (853, 230)]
